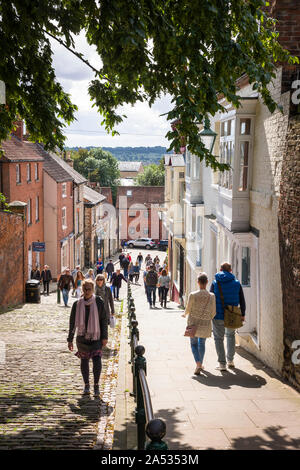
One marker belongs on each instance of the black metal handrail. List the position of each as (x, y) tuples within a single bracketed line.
[(155, 429)]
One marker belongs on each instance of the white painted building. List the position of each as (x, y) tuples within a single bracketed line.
[(233, 216)]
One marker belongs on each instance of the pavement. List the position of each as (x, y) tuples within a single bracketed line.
[(248, 407), (42, 407), (41, 401)]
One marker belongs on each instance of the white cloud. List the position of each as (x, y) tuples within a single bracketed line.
[(143, 127)]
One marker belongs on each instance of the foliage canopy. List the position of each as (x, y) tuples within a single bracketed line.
[(193, 50), (153, 175)]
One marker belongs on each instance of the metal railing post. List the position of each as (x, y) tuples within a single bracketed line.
[(156, 430), (58, 294), (140, 416)]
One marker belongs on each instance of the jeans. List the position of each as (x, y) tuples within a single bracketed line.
[(109, 276), (151, 295), (126, 273), (116, 292), (164, 293), (65, 294), (219, 331), (198, 348)]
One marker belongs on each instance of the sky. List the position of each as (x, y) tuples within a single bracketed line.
[(143, 127)]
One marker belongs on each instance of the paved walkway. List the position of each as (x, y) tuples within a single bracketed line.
[(41, 402), (248, 407)]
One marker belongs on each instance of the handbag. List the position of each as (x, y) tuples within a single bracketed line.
[(232, 313), (112, 321), (190, 331)]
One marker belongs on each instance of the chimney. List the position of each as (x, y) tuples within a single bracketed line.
[(18, 132), (69, 159)]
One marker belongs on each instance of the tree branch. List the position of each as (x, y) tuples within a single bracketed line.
[(78, 55)]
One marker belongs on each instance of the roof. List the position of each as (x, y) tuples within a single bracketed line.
[(130, 166), (142, 195), (92, 196), (174, 160), (55, 170), (16, 150), (75, 176)]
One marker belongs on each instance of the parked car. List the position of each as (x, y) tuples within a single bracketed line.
[(162, 245), (147, 243)]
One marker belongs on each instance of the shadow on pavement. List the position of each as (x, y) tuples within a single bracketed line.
[(274, 440), (76, 427), (227, 379)]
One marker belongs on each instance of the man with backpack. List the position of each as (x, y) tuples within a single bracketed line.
[(151, 283)]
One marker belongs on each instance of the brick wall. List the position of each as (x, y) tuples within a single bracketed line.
[(23, 192), (289, 245), (13, 259)]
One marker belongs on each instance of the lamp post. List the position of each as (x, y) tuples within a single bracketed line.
[(208, 137)]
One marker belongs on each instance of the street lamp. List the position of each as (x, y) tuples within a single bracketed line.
[(208, 137)]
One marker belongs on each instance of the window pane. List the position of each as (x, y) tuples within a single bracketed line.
[(244, 162), (245, 126), (245, 266)]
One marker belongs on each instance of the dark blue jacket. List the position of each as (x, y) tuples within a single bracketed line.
[(232, 292)]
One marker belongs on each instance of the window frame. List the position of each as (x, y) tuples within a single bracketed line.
[(28, 172), (18, 173), (64, 217)]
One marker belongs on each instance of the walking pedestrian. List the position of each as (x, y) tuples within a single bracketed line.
[(88, 316), (103, 291), (64, 284), (35, 274), (136, 270), (99, 266), (90, 274), (149, 261), (151, 283), (201, 309), (140, 259), (46, 277), (144, 279), (121, 257), (164, 284), (125, 265), (74, 274), (131, 272), (157, 266), (110, 268), (78, 283), (233, 294), (116, 282)]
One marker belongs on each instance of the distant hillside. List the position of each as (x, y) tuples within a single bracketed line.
[(134, 154)]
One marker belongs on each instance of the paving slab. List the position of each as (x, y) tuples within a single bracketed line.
[(248, 407)]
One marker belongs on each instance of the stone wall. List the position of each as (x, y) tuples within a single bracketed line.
[(289, 245), (12, 259)]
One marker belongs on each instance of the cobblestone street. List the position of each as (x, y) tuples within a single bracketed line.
[(41, 402)]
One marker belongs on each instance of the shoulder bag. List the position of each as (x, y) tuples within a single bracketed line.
[(232, 313)]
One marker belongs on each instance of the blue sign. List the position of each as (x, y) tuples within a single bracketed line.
[(38, 246)]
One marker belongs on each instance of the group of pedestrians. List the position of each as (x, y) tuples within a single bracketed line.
[(205, 311), (156, 277), (45, 276)]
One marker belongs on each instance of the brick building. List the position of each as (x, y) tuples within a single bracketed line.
[(138, 209), (93, 240), (21, 179), (13, 246), (58, 216)]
